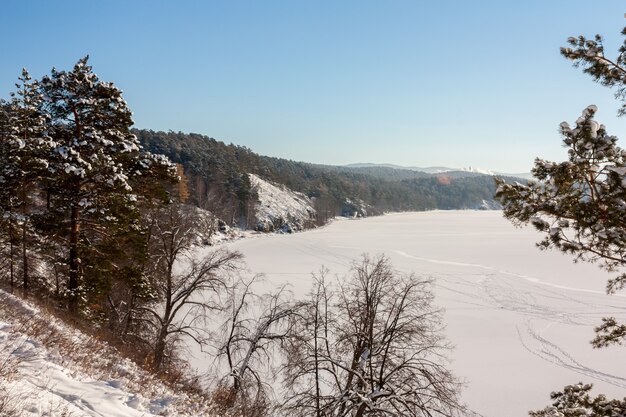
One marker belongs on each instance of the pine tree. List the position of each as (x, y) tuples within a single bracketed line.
[(6, 225), (575, 401), (589, 53), (25, 148), (93, 166), (580, 205)]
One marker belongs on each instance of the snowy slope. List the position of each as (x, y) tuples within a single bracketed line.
[(50, 369), (280, 209)]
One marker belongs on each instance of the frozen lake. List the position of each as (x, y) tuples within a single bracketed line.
[(520, 319)]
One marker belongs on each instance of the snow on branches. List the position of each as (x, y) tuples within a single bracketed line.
[(575, 401), (70, 163), (589, 53), (370, 345), (580, 203)]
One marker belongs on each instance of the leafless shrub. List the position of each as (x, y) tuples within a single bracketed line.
[(254, 330), (186, 289), (370, 345)]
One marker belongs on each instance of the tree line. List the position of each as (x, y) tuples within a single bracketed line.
[(89, 218), (218, 174)]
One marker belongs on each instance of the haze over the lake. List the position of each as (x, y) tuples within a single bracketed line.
[(447, 83)]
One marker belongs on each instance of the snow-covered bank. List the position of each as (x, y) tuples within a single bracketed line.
[(280, 209), (521, 319), (50, 369)]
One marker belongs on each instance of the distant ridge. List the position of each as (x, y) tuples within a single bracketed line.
[(440, 169), (225, 180)]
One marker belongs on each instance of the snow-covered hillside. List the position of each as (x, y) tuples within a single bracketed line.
[(489, 205), (50, 369), (280, 209), (477, 170)]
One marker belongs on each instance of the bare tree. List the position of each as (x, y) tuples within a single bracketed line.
[(185, 288), (370, 345), (255, 327)]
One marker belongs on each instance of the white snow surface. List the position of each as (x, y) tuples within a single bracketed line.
[(279, 208), (50, 369), (520, 319), (478, 170)]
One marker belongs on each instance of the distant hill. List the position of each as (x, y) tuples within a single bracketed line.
[(219, 180), (441, 170), (427, 170)]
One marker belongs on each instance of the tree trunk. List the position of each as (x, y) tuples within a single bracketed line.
[(74, 260), (355, 362), (11, 261), (317, 363), (128, 320), (361, 410), (159, 350), (24, 257)]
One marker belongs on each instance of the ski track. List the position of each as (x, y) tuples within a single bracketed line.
[(502, 290), (502, 272), (551, 352), (506, 290)]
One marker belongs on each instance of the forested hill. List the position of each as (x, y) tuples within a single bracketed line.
[(217, 175)]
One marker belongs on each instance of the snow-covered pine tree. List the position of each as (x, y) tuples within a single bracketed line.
[(25, 147), (92, 167), (575, 401), (580, 205), (589, 53), (7, 232)]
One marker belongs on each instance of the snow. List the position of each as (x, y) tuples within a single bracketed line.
[(478, 170), (618, 170), (280, 209), (520, 319), (55, 370)]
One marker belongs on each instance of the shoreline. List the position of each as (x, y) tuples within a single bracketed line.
[(254, 234)]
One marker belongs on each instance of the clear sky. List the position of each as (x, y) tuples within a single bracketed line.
[(420, 83)]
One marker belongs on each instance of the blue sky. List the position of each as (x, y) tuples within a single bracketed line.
[(418, 83)]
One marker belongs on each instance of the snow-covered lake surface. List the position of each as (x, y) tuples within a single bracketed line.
[(521, 319)]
